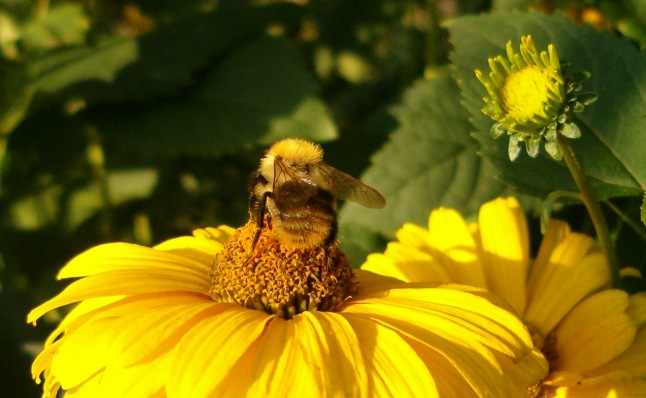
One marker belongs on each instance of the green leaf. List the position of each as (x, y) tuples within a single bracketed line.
[(62, 25), (611, 147), (259, 94), (643, 210), (132, 68), (430, 161), (509, 5)]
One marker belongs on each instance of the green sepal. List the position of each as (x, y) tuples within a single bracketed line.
[(587, 98), (570, 130), (497, 130), (514, 147), (552, 149), (532, 145)]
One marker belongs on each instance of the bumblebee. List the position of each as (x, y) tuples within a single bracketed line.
[(300, 192)]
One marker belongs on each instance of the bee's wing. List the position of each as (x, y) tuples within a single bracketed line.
[(344, 186)]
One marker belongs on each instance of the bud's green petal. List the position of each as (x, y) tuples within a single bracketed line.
[(532, 146), (587, 98), (497, 130), (514, 147), (553, 150), (571, 130)]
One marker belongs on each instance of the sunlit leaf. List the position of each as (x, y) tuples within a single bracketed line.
[(430, 161)]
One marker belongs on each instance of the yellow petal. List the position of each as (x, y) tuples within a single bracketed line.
[(637, 309), (220, 234), (505, 249), (594, 332), (145, 334), (371, 283), (468, 318), (122, 283), (277, 368), (629, 365), (126, 256), (211, 350), (145, 379), (454, 247), (327, 341), (448, 381), (555, 234), (201, 250), (82, 353), (81, 310), (90, 388), (569, 266), (393, 366), (406, 264), (616, 389)]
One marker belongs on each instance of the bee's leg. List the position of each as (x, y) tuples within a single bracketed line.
[(261, 207)]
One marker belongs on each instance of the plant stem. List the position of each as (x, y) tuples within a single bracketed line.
[(592, 205)]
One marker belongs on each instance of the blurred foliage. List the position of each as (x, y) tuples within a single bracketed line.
[(141, 120)]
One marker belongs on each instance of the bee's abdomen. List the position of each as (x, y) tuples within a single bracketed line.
[(312, 225)]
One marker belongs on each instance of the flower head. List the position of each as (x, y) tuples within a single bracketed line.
[(593, 338), (531, 99), (175, 321)]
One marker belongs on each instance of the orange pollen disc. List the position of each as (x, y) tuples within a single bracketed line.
[(279, 279)]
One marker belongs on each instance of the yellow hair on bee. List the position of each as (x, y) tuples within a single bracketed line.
[(294, 152), (297, 150)]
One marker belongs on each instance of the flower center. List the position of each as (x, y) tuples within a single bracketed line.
[(280, 279), (524, 93)]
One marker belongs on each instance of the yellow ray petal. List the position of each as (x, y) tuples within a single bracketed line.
[(211, 349), (90, 388), (470, 319), (448, 381), (474, 363), (594, 332), (148, 333), (411, 266), (616, 389), (327, 342), (127, 256), (122, 283), (465, 341), (273, 370), (629, 365), (43, 361), (87, 346), (220, 234), (145, 379), (201, 250), (413, 236), (454, 247), (505, 249), (393, 367), (556, 233), (637, 309), (115, 306), (569, 266)]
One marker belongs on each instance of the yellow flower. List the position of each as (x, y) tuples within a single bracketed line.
[(168, 321), (531, 99), (594, 339)]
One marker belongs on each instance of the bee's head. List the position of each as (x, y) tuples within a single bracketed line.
[(296, 153)]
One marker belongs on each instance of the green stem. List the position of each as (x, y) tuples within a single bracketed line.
[(593, 206)]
